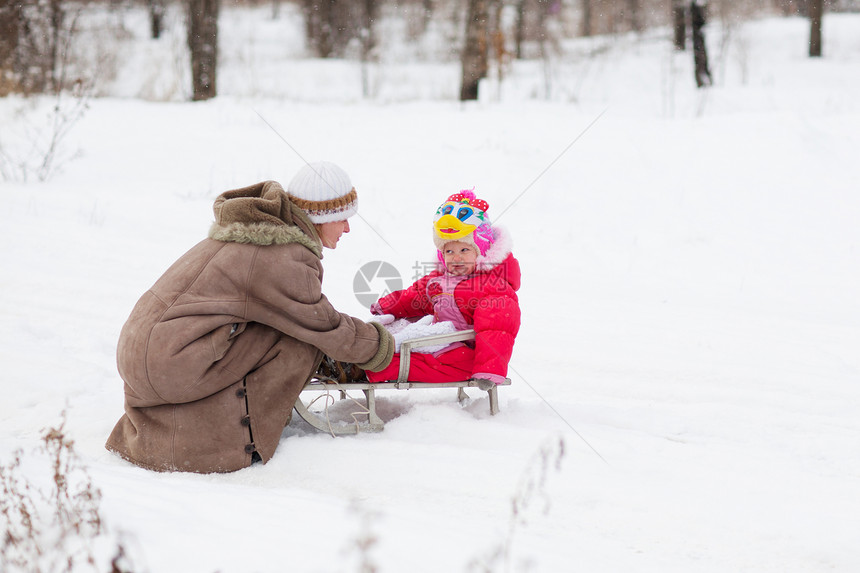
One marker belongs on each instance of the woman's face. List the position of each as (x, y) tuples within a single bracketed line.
[(330, 232), (459, 258)]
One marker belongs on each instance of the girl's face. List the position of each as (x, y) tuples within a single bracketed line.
[(459, 258), (330, 232)]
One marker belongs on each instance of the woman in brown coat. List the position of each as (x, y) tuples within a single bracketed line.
[(216, 353)]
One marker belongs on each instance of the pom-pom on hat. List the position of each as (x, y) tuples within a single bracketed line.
[(323, 191), (463, 217)]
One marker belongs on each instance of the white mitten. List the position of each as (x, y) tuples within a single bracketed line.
[(405, 330), (399, 337), (382, 319)]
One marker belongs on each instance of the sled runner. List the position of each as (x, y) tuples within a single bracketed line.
[(367, 420)]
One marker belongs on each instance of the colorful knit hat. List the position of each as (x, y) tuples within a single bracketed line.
[(323, 191), (463, 217)]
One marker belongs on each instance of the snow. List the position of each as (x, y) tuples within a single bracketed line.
[(691, 324)]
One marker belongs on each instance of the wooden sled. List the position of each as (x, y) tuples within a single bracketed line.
[(371, 421)]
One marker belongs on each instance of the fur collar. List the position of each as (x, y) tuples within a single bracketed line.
[(262, 214), (264, 234)]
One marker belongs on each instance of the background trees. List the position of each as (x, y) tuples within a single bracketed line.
[(34, 40), (476, 49), (330, 25), (483, 36), (203, 45)]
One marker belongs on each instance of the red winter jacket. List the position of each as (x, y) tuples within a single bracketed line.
[(487, 300)]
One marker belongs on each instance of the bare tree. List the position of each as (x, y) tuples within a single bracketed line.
[(530, 22), (541, 29), (40, 54), (330, 25), (587, 28), (700, 52), (816, 12), (679, 24), (788, 7), (426, 13), (499, 51), (33, 34), (156, 18), (10, 29), (634, 12), (203, 45), (475, 52), (319, 26), (520, 30), (367, 31), (367, 37)]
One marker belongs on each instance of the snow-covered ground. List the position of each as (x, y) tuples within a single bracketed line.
[(691, 318)]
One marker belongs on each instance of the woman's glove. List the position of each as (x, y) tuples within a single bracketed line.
[(382, 319)]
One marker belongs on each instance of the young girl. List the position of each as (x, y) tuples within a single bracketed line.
[(474, 288)]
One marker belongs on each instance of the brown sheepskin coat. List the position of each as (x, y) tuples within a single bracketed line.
[(216, 353)]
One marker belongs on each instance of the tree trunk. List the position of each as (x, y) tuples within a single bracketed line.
[(318, 26), (426, 14), (541, 31), (474, 57), (679, 24), (367, 38), (700, 52), (816, 12), (587, 19), (203, 44), (368, 30), (10, 22), (520, 33), (156, 18), (635, 12), (57, 17)]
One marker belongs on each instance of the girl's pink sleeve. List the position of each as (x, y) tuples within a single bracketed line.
[(494, 378)]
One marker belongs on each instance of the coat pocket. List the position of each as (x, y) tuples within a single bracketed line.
[(222, 338)]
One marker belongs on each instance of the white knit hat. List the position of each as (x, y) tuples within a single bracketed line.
[(324, 192)]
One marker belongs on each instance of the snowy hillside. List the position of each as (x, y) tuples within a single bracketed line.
[(691, 322)]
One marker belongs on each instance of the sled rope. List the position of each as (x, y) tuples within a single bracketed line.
[(364, 411)]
